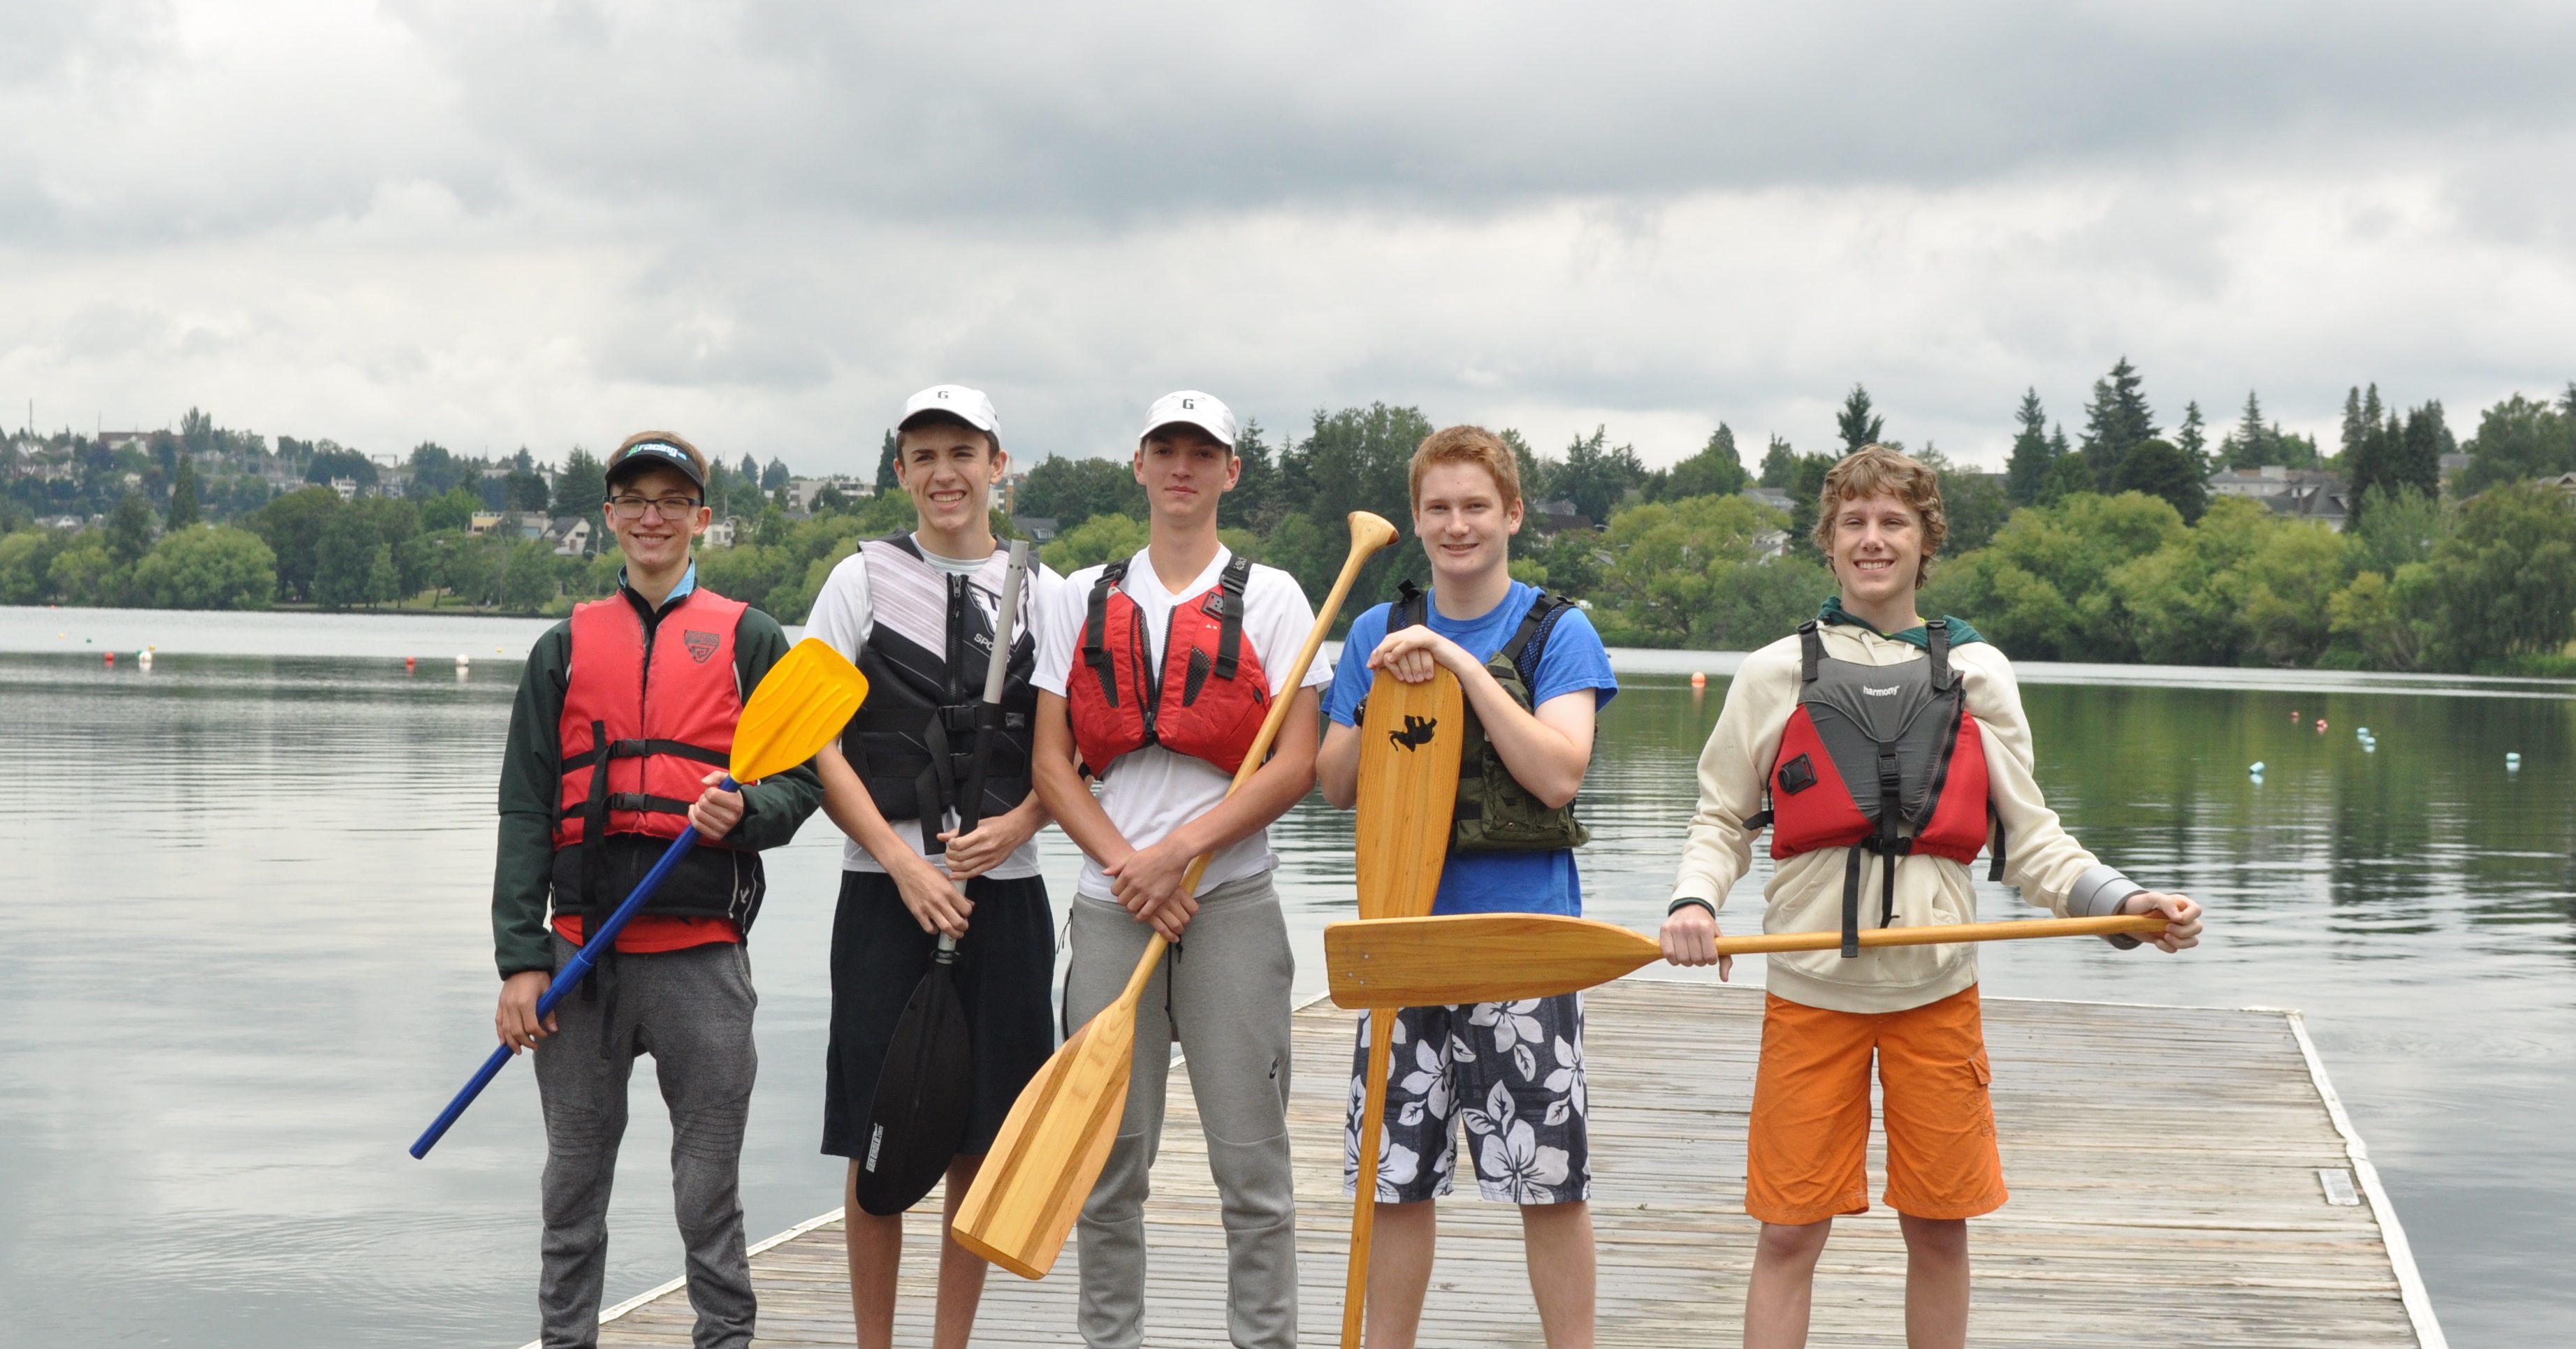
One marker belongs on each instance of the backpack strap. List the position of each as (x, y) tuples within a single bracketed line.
[(1811, 651)]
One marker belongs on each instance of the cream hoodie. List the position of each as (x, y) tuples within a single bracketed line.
[(2047, 865)]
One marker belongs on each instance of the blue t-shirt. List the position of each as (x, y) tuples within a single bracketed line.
[(1570, 657)]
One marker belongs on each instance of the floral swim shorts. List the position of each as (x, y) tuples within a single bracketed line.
[(1511, 1071)]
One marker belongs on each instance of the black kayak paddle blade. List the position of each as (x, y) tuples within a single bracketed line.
[(917, 1121)]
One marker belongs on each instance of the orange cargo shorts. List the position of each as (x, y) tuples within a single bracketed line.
[(1809, 1153)]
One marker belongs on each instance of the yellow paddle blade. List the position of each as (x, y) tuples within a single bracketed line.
[(1410, 741), (1048, 1155), (804, 701)]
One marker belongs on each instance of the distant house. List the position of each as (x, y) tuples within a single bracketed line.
[(69, 522), (1777, 498), (1008, 489), (802, 491), (1556, 517), (482, 523), (346, 487), (571, 535), (1770, 543), (2267, 481), (109, 440), (1040, 529), (2564, 482), (2322, 501), (2452, 466), (722, 533)]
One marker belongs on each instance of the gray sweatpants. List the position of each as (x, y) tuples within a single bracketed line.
[(1223, 994), (691, 1010)]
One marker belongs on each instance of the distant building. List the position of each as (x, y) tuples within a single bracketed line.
[(346, 487), (1556, 517), (571, 535), (69, 522), (1009, 492), (2267, 481), (802, 491), (110, 440), (1777, 498), (1039, 528), (1770, 543), (2452, 465), (2564, 482), (722, 533), (2323, 500)]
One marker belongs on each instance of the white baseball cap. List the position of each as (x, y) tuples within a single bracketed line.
[(965, 404), (1204, 411)]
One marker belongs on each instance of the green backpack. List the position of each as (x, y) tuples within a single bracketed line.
[(1495, 813)]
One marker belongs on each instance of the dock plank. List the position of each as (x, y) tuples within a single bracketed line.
[(2160, 1196)]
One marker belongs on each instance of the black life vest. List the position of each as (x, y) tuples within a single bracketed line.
[(1880, 759), (929, 645), (649, 708), (1494, 812), (1208, 696)]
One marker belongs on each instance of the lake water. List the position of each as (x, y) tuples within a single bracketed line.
[(248, 956)]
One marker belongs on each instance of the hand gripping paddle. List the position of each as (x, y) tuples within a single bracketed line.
[(1408, 789), (1050, 1151), (804, 701), (926, 1089), (1498, 957)]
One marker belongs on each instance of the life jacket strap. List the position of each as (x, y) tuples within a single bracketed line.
[(1995, 866), (646, 801), (1095, 624), (601, 751), (1936, 647), (1811, 651), (1227, 609)]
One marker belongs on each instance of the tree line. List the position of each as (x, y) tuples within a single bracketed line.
[(2105, 546)]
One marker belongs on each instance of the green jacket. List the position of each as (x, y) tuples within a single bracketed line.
[(532, 784)]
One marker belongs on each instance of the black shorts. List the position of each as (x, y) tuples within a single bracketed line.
[(1005, 967)]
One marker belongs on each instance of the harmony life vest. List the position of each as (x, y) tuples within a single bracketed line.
[(1880, 759), (913, 741), (1494, 812), (648, 709), (1207, 698)]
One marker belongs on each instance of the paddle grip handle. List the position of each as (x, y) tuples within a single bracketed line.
[(567, 979)]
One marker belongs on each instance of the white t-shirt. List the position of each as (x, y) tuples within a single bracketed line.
[(1153, 791), (844, 615)]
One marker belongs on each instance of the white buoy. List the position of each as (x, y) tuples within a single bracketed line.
[(463, 660), (2256, 769), (2512, 760), (144, 658)]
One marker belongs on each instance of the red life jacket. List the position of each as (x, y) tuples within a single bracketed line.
[(648, 710), (1871, 752), (1209, 696)]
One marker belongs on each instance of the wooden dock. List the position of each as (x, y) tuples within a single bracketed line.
[(2210, 1195)]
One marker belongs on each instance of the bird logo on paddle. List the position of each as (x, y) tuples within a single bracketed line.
[(1417, 732)]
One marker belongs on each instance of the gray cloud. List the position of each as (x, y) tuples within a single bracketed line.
[(491, 222)]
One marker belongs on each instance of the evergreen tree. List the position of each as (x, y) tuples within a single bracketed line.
[(1779, 464), (2249, 445), (2356, 429), (2068, 473), (1857, 424), (775, 476), (1533, 471), (750, 471), (1596, 475), (129, 529), (197, 431), (183, 496), (2159, 468), (582, 484), (2117, 421), (885, 464), (2421, 445), (2029, 476), (2193, 438), (1717, 470)]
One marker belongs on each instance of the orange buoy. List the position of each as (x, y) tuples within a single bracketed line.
[(410, 663), (1699, 679), (2321, 726), (111, 658)]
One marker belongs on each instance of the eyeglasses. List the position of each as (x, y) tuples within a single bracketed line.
[(669, 508)]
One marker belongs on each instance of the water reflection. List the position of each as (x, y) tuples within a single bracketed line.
[(249, 956)]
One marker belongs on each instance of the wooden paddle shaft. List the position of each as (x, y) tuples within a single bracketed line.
[(2135, 925)]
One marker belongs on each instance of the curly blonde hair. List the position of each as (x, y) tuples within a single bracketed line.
[(1876, 470)]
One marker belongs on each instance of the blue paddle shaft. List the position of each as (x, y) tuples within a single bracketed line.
[(566, 980)]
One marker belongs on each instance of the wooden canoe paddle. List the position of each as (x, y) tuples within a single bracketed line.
[(1044, 1162), (1499, 957), (1408, 788), (925, 1094)]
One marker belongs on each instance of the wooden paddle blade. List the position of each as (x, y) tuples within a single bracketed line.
[(1408, 788), (925, 1091), (1475, 957), (1044, 1162), (804, 701)]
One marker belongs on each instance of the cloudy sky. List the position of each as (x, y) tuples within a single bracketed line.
[(495, 222)]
